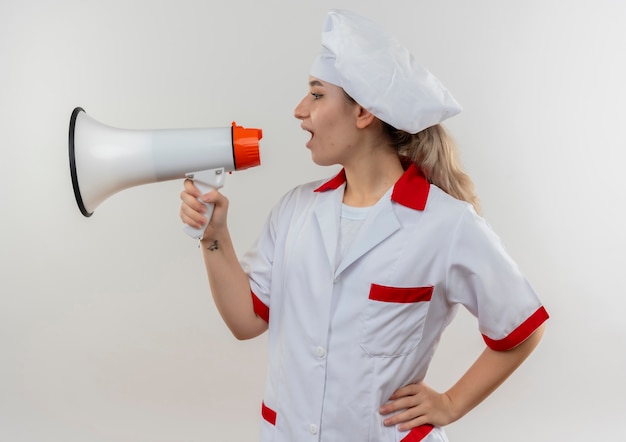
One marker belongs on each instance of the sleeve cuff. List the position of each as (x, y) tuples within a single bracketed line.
[(520, 334), (261, 310)]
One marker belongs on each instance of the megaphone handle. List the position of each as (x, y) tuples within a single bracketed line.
[(205, 181)]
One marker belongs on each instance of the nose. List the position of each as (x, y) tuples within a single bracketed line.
[(301, 111)]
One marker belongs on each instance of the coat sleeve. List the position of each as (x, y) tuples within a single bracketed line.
[(484, 278), (260, 262), (257, 264)]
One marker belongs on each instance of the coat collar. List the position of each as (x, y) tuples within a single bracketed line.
[(411, 190)]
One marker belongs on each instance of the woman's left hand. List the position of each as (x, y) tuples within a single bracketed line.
[(416, 405)]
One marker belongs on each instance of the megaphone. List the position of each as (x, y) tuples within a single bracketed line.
[(105, 160)]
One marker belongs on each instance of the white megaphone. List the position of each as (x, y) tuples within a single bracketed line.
[(105, 160)]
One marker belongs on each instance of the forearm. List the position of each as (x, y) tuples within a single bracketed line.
[(488, 372), (230, 287)]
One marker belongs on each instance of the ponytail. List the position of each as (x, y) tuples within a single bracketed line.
[(434, 152)]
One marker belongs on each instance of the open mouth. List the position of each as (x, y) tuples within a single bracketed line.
[(310, 132)]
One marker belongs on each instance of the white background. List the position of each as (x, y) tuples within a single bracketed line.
[(107, 327)]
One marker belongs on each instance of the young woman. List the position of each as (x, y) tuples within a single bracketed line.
[(357, 276)]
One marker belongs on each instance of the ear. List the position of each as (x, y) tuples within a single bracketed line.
[(364, 118)]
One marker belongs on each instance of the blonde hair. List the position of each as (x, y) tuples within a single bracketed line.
[(434, 152)]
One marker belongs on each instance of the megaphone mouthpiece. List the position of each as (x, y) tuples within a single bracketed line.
[(246, 146)]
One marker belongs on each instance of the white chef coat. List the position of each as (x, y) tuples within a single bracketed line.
[(344, 336)]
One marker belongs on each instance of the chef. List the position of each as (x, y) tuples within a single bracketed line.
[(356, 276)]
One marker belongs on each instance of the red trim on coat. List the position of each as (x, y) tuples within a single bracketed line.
[(268, 414), (411, 190), (400, 294), (261, 310), (418, 434), (333, 183), (521, 333)]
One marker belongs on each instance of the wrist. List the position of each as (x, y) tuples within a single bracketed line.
[(214, 241), (455, 412), (209, 244)]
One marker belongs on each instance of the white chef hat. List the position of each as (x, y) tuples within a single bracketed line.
[(380, 74)]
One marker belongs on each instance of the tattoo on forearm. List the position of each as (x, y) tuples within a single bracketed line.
[(213, 246)]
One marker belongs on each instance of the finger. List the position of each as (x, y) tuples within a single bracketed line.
[(192, 202), (192, 211), (414, 423), (411, 415), (192, 218), (407, 390), (219, 201), (399, 404), (191, 188)]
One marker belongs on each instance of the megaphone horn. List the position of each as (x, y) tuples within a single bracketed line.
[(105, 160)]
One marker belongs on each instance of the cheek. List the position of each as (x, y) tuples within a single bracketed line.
[(331, 122)]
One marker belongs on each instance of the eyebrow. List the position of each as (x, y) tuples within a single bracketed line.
[(315, 83)]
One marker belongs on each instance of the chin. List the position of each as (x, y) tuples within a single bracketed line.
[(322, 161)]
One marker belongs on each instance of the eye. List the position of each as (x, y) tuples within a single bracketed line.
[(316, 96)]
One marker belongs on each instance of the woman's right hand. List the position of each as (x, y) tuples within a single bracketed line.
[(193, 212)]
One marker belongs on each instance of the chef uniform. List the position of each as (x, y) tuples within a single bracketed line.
[(347, 327)]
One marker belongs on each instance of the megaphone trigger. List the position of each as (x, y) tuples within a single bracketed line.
[(205, 181)]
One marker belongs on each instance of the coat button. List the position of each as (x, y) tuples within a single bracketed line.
[(313, 428), (320, 352)]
